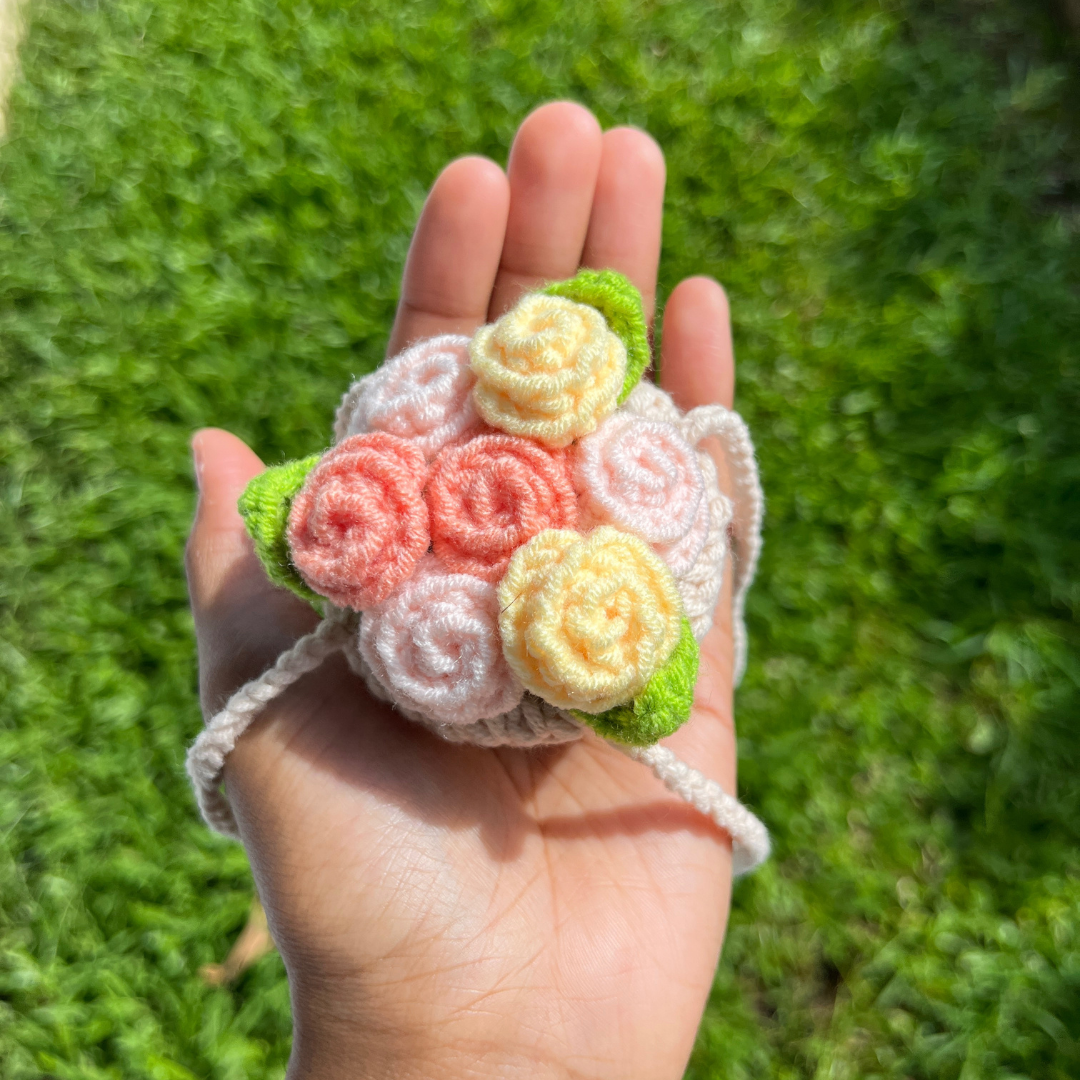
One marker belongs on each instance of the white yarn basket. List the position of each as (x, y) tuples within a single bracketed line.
[(734, 530)]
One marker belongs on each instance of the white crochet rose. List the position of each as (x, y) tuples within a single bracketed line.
[(423, 394), (642, 477), (699, 577), (700, 582), (435, 647), (683, 553)]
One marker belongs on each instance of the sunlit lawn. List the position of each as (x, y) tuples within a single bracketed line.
[(205, 208)]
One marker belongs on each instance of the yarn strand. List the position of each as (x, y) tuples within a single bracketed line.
[(749, 838), (730, 428), (206, 758)]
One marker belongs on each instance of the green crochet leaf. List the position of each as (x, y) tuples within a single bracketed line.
[(661, 708), (264, 506), (619, 302)]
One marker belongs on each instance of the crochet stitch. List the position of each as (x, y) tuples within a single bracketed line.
[(521, 585), (532, 722), (749, 506), (492, 494), (662, 706), (434, 646), (586, 621), (620, 304), (549, 369), (701, 582), (359, 525), (642, 477), (681, 555), (265, 506), (423, 394)]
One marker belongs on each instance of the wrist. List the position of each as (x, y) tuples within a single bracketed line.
[(322, 1053), (336, 1037)]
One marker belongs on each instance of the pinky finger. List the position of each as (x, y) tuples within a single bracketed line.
[(697, 360)]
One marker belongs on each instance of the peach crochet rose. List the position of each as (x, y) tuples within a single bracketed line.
[(359, 525), (549, 369), (586, 621), (490, 495)]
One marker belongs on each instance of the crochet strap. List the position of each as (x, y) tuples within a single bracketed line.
[(730, 428), (206, 758), (749, 838)]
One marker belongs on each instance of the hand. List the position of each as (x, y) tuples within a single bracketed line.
[(454, 911)]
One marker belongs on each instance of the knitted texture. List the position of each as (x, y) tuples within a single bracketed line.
[(516, 586), (749, 503), (683, 554), (206, 758), (423, 394), (619, 302), (701, 582), (359, 525), (749, 838), (662, 707), (532, 722), (649, 402), (435, 647), (492, 494), (586, 621), (264, 506), (549, 369), (642, 477)]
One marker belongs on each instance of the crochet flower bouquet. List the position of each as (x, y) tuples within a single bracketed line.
[(514, 539)]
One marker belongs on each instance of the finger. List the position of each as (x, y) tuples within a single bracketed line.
[(627, 211), (454, 254), (697, 360), (552, 171), (242, 622), (697, 367), (218, 543)]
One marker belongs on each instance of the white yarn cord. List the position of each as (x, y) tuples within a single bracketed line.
[(206, 758), (749, 837), (730, 428)]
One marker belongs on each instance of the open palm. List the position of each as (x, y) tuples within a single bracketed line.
[(447, 910)]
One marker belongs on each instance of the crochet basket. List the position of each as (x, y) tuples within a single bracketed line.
[(514, 540)]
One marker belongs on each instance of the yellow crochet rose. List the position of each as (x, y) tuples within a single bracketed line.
[(587, 620), (549, 369)]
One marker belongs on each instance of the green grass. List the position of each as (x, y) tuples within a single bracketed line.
[(204, 210)]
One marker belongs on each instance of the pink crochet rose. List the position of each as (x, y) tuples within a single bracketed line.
[(642, 477), (359, 525), (492, 494), (423, 394), (434, 646), (682, 554)]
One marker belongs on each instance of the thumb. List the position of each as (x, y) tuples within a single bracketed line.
[(242, 621), (218, 545)]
